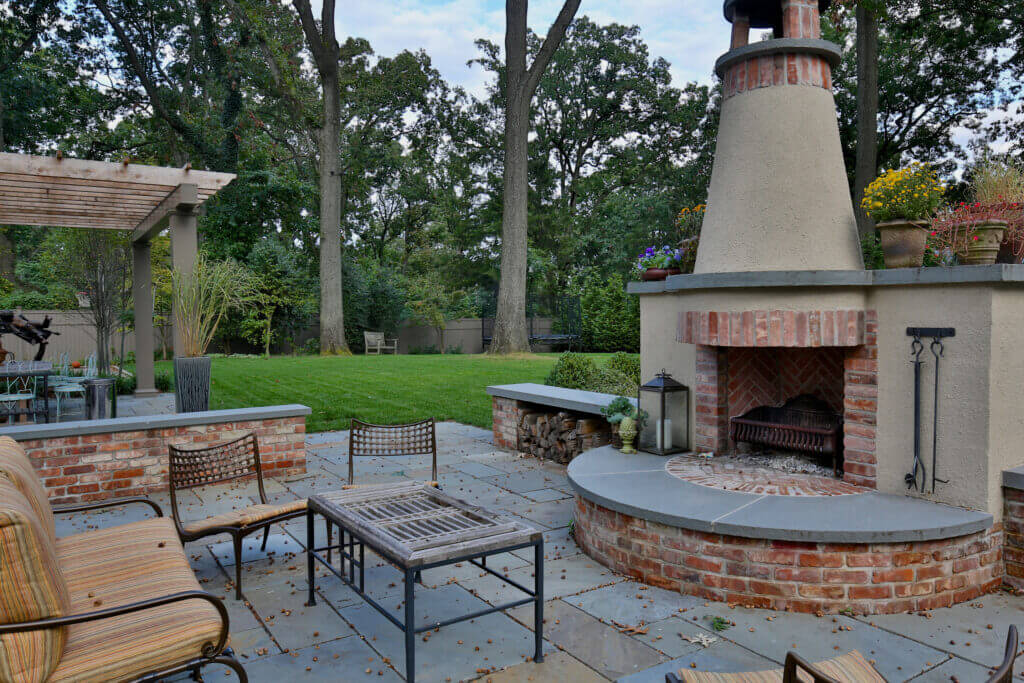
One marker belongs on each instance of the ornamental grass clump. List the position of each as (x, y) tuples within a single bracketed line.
[(912, 194), (204, 296)]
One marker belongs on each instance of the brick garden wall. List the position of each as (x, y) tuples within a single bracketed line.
[(1013, 528), (116, 464), (880, 578), (505, 413)]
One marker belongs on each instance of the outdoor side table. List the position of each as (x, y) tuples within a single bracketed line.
[(415, 526)]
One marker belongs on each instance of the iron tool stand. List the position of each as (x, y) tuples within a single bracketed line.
[(918, 478)]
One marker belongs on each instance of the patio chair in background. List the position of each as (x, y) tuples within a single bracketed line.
[(17, 390), (65, 385), (202, 465), (848, 668), (376, 343), (416, 438)]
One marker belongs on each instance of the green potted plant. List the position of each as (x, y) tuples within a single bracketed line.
[(901, 202), (626, 421), (658, 263), (202, 297)]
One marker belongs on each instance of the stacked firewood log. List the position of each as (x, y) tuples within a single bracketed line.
[(561, 436)]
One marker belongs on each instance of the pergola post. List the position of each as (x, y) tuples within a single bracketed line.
[(184, 251), (142, 293)]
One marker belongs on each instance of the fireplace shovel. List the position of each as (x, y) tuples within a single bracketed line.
[(937, 350)]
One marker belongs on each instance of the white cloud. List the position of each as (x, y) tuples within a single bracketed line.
[(689, 35)]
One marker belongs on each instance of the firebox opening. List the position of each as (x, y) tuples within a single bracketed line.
[(785, 409)]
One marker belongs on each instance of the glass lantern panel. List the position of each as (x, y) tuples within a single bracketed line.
[(649, 402), (677, 411)]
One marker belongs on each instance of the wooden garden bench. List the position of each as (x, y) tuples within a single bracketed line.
[(376, 343)]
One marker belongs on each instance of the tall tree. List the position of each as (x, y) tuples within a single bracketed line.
[(520, 84), (866, 165), (326, 52)]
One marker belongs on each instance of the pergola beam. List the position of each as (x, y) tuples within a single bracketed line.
[(183, 199)]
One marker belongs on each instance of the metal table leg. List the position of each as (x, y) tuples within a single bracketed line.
[(410, 628), (310, 573), (538, 601)]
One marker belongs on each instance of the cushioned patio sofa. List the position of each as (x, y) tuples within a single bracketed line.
[(113, 604)]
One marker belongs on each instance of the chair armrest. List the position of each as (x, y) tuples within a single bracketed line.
[(209, 650), (795, 661), (80, 507)]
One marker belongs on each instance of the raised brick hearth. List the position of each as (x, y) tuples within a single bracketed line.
[(739, 372), (876, 578)]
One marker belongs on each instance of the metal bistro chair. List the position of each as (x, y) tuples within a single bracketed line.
[(18, 389), (416, 438), (66, 385), (202, 465)]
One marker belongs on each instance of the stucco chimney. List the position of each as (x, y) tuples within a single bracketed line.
[(779, 198)]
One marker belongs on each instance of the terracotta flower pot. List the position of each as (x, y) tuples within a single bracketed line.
[(903, 242), (983, 244), (654, 274)]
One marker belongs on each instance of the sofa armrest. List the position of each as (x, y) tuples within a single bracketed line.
[(80, 507), (209, 649)]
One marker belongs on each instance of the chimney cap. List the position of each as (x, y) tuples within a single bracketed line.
[(762, 13)]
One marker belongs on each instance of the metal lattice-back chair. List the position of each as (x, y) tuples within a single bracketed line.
[(417, 438), (192, 466)]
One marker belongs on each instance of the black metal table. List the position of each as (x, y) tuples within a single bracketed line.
[(415, 526)]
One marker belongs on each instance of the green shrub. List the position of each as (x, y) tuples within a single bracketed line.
[(573, 371), (608, 381), (163, 381), (610, 316), (626, 363), (124, 384)]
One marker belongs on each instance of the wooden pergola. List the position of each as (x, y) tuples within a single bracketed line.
[(74, 193)]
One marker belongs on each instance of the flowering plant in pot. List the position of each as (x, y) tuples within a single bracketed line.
[(202, 297), (658, 263), (991, 228), (689, 221), (901, 201)]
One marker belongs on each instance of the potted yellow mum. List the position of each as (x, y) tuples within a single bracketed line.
[(901, 202)]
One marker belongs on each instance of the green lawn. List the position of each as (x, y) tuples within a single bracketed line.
[(382, 389)]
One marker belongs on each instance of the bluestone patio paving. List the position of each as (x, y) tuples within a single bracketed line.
[(599, 625)]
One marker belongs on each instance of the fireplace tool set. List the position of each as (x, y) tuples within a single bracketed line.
[(917, 478)]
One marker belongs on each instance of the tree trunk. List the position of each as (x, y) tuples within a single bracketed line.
[(332, 314), (510, 334), (867, 113), (510, 323)]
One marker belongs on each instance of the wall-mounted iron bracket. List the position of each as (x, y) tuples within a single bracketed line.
[(931, 332)]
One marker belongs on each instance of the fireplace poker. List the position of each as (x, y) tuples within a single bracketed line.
[(937, 349), (916, 349)]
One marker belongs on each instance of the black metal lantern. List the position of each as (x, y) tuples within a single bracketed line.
[(667, 404)]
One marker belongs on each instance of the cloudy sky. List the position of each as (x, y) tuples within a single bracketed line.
[(690, 34)]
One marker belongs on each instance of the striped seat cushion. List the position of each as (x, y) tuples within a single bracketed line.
[(16, 466), (246, 516), (31, 587), (120, 565), (848, 668)]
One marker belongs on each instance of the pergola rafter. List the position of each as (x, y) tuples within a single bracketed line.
[(77, 193)]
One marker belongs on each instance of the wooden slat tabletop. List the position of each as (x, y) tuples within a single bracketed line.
[(415, 523)]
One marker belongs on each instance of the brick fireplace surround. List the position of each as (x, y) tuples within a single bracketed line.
[(751, 358)]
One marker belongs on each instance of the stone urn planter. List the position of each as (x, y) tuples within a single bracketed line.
[(192, 384), (983, 244), (655, 274), (903, 242)]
